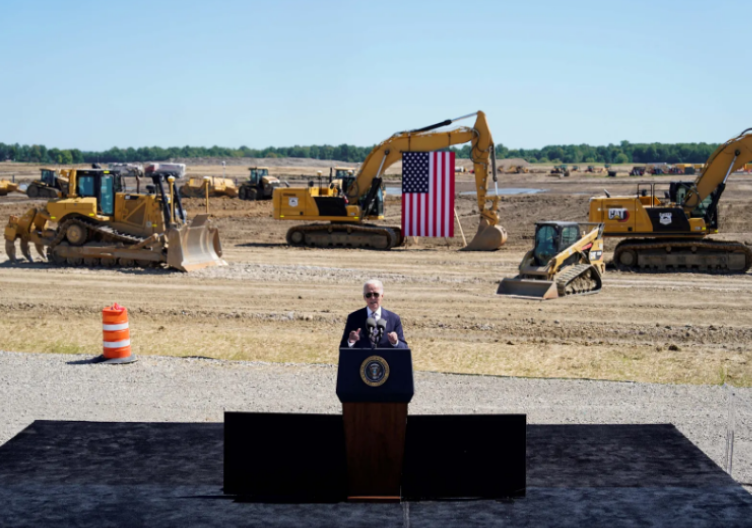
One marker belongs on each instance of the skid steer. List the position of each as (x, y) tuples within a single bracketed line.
[(98, 224), (565, 261)]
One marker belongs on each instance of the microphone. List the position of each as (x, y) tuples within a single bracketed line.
[(381, 325), (371, 325)]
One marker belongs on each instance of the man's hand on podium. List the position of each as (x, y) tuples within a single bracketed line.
[(354, 336), (393, 339)]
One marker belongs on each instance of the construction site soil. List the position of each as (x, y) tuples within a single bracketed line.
[(282, 304)]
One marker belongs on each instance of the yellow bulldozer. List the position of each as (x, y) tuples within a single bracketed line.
[(567, 259), (98, 224), (196, 187), (360, 198), (7, 187)]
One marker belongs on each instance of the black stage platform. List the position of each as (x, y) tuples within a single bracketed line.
[(167, 474)]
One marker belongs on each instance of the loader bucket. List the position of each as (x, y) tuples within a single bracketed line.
[(195, 246), (528, 289), (488, 238)]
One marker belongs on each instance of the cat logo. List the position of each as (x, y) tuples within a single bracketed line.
[(292, 201), (621, 214), (665, 218)]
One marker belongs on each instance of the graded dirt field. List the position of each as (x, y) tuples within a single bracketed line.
[(280, 304)]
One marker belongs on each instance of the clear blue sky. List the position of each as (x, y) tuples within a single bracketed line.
[(93, 74)]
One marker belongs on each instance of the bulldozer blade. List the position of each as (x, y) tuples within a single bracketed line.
[(528, 289), (488, 238), (10, 250), (193, 247)]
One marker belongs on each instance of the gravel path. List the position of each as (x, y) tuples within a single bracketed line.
[(68, 387)]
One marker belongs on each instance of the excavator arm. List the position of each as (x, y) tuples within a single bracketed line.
[(727, 158), (490, 235)]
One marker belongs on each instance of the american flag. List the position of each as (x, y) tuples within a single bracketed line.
[(428, 194)]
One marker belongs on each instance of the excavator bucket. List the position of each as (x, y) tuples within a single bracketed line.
[(528, 289), (195, 246), (488, 238)]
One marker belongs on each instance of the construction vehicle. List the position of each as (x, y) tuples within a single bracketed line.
[(561, 171), (52, 184), (566, 260), (637, 171), (259, 186), (515, 169), (99, 224), (360, 198), (7, 187), (196, 187), (669, 232), (595, 170)]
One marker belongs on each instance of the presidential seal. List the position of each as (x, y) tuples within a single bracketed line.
[(374, 371)]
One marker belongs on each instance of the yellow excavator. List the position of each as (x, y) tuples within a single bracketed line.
[(361, 197), (668, 233), (100, 224), (567, 259)]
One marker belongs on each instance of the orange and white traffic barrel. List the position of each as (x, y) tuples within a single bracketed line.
[(116, 341)]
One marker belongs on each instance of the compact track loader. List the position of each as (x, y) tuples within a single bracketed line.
[(100, 225), (563, 262), (52, 184)]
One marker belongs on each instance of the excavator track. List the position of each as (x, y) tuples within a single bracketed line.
[(99, 236), (357, 236), (580, 279), (710, 256)]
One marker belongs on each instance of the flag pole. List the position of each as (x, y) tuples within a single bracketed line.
[(460, 224)]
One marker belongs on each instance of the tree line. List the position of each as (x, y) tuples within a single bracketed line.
[(624, 152)]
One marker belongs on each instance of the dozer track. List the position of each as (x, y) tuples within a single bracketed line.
[(357, 236), (580, 279), (102, 240), (711, 256)]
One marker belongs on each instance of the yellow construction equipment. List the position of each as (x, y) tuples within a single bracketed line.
[(515, 169), (560, 170), (564, 261), (361, 197), (52, 184), (259, 186), (196, 187), (99, 224), (7, 187), (667, 232)]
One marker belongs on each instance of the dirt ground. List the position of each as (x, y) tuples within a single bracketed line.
[(280, 304)]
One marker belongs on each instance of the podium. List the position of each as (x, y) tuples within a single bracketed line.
[(375, 386), (374, 451)]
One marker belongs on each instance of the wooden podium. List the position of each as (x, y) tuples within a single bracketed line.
[(374, 386)]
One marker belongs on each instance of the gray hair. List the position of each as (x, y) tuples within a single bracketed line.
[(374, 282)]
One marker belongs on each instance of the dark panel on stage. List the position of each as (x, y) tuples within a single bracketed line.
[(478, 456), (285, 457), (398, 387), (170, 474)]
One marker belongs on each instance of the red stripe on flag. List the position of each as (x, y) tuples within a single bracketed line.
[(450, 212)]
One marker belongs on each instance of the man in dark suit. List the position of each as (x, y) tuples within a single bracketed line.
[(356, 331)]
